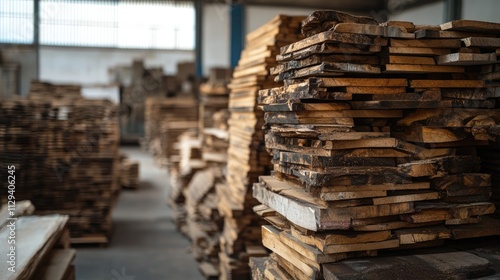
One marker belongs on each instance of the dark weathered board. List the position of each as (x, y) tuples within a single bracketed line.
[(320, 21), (435, 265), (472, 26)]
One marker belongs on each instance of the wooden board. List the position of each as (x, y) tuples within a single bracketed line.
[(60, 265), (433, 265), (315, 217), (22, 208), (35, 237), (467, 59), (320, 21), (471, 26)]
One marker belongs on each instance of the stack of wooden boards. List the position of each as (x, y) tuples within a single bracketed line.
[(166, 120), (41, 245), (129, 173), (181, 169), (247, 157), (69, 145), (214, 96), (203, 221), (373, 138)]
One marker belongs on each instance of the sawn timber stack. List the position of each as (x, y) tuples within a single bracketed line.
[(247, 157), (373, 140)]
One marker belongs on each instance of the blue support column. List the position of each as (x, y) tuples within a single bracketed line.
[(237, 32), (198, 7), (452, 10)]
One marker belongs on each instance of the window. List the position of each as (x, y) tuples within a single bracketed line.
[(16, 21), (142, 24)]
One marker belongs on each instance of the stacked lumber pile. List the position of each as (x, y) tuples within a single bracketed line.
[(247, 158), (373, 138), (166, 120), (70, 147), (181, 170), (41, 245), (216, 140), (203, 221), (214, 96), (129, 173), (490, 73)]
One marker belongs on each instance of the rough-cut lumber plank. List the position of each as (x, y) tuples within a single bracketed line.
[(352, 135), (467, 59), (342, 237), (257, 266), (330, 48), (348, 195), (482, 42), (423, 134), (407, 26), (326, 69), (433, 265), (359, 82), (468, 180), (406, 198), (373, 30), (401, 59), (337, 248), (271, 240), (428, 33), (327, 37), (423, 43), (381, 187), (471, 26), (288, 189), (322, 20), (422, 234), (409, 68), (336, 160), (315, 217), (313, 253), (418, 51), (446, 84), (316, 59)]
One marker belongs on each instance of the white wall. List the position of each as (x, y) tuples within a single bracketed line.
[(257, 16), (216, 49), (430, 14), (486, 10), (90, 65), (26, 57)]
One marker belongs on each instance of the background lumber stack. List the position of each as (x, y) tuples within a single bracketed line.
[(182, 169), (42, 245), (70, 147), (202, 165), (129, 173), (373, 148), (166, 120), (247, 157), (204, 223), (214, 96)]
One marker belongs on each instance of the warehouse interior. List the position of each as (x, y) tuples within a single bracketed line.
[(225, 139)]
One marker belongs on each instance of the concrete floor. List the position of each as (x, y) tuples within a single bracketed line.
[(145, 244)]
